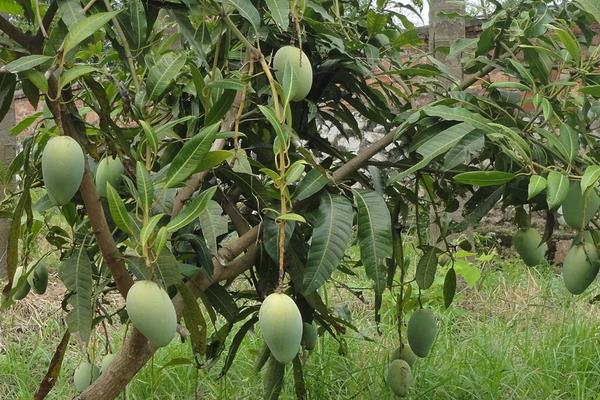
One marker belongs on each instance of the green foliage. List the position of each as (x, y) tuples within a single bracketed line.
[(191, 110)]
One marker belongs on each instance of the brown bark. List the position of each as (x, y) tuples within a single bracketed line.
[(7, 153), (136, 349), (90, 197)]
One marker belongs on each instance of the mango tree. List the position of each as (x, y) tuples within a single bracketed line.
[(182, 145)]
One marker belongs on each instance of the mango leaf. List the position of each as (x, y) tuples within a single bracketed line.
[(71, 11), (590, 177), (288, 84), (148, 229), (594, 90), (134, 24), (192, 210), (74, 73), (508, 85), (312, 182), (558, 188), (213, 224), (76, 274), (213, 159), (437, 145), (26, 63), (570, 42), (270, 235), (151, 138), (85, 28), (468, 146), (426, 267), (194, 320), (537, 184), (459, 114), (291, 217), (569, 140), (222, 301), (280, 11), (449, 287), (8, 83), (163, 73), (190, 156), (592, 7), (145, 188), (167, 269), (278, 126), (220, 107), (331, 233), (236, 342), (484, 178), (248, 11), (118, 211), (374, 235)]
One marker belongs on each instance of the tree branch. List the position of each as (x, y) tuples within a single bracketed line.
[(136, 350), (91, 201), (15, 33)]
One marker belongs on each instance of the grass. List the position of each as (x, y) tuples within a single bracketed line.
[(517, 335)]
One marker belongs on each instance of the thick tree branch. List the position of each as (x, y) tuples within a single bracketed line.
[(15, 33), (90, 197), (136, 349)]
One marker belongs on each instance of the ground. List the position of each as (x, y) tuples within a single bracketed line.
[(516, 334)]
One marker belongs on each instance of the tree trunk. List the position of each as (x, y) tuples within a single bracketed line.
[(7, 153)]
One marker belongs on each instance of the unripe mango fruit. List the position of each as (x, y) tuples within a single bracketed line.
[(577, 208), (38, 278), (151, 311), (399, 377), (63, 164), (23, 291), (106, 360), (281, 326), (405, 353), (84, 375), (528, 244), (309, 336), (421, 331), (301, 69), (110, 170), (580, 267)]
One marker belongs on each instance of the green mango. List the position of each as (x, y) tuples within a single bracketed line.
[(404, 353), (578, 209), (309, 336), (106, 360), (580, 267), (281, 326), (151, 311), (24, 289), (63, 164), (38, 278), (110, 170), (85, 375), (399, 377), (528, 244), (301, 68), (421, 331)]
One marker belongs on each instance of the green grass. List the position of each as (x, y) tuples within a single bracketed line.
[(518, 335)]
